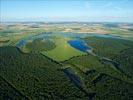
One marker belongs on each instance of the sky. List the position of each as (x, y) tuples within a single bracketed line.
[(67, 10)]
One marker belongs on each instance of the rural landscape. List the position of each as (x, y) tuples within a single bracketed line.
[(42, 60), (66, 60)]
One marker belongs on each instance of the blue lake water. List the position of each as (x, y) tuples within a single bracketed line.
[(79, 44), (21, 43)]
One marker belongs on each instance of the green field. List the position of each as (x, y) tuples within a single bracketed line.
[(63, 50)]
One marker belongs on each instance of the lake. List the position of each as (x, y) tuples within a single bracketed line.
[(80, 45), (21, 43)]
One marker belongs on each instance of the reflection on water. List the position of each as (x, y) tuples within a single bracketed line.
[(21, 43), (79, 44)]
